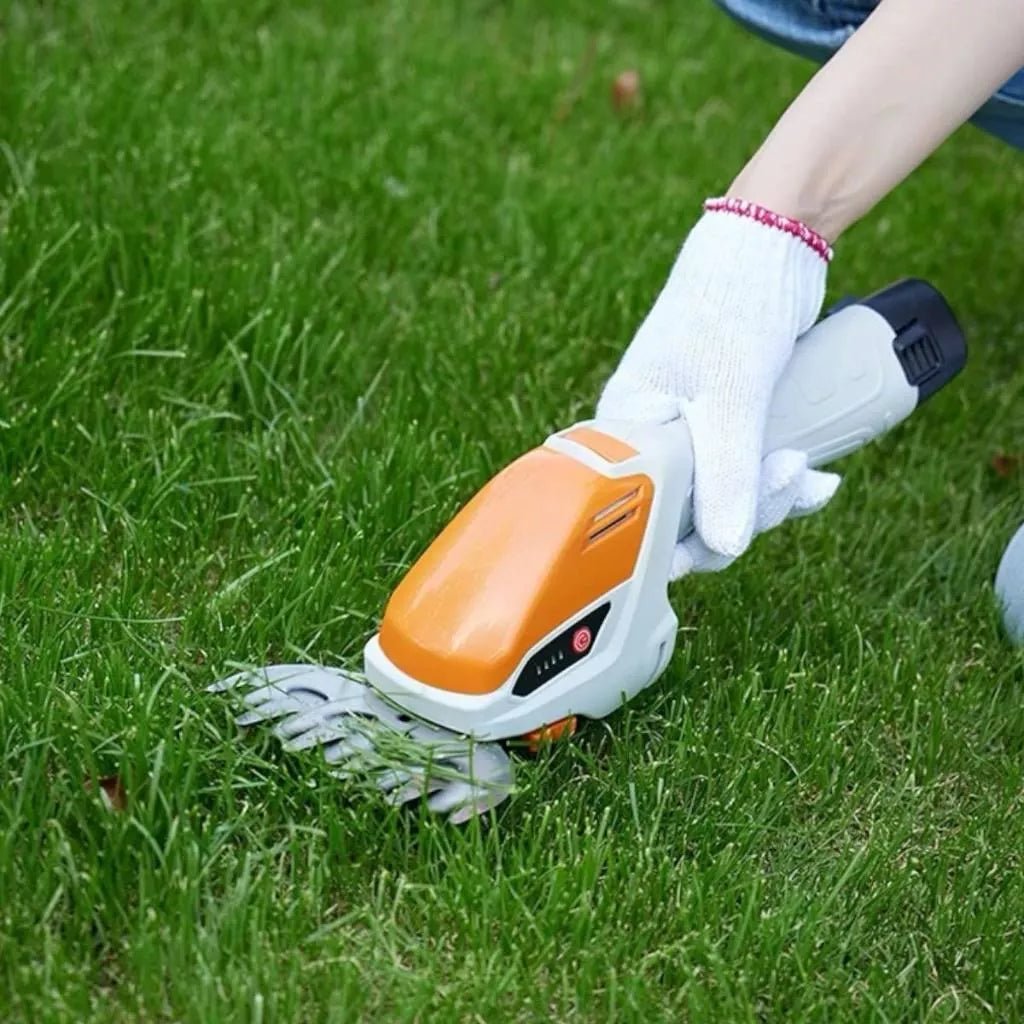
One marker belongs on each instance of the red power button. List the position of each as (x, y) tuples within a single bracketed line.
[(582, 639)]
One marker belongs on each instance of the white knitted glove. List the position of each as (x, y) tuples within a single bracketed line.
[(745, 285)]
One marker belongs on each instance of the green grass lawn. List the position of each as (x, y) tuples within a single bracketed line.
[(280, 286)]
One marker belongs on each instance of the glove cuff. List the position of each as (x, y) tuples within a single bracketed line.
[(742, 208)]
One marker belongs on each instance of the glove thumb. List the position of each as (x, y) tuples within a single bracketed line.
[(728, 440), (787, 489)]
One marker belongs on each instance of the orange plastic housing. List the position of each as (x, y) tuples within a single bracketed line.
[(540, 542), (608, 447), (563, 729)]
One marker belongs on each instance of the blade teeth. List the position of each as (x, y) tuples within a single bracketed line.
[(450, 797), (475, 809), (325, 683), (331, 721), (318, 736), (467, 811), (268, 712), (250, 718), (392, 779), (298, 698), (341, 714), (420, 786), (272, 702), (361, 767), (351, 746), (263, 714), (223, 685), (463, 801)]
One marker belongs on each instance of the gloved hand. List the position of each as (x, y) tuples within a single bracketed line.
[(745, 285)]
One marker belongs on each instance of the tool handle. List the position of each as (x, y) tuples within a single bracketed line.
[(856, 374), (863, 369)]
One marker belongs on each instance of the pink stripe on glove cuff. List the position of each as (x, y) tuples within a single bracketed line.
[(796, 228)]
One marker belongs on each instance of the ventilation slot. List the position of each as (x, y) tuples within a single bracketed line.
[(612, 516), (616, 505), (608, 527)]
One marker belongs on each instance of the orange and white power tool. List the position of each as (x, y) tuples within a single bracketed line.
[(546, 598)]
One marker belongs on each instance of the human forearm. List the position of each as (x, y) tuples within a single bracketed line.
[(914, 72)]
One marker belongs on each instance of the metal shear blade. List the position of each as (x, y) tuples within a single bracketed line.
[(362, 734)]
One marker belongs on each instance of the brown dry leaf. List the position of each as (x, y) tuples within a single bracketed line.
[(112, 792), (626, 89), (1005, 465)]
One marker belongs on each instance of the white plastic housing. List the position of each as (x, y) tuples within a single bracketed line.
[(843, 387)]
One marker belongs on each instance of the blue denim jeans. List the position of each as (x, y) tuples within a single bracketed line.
[(817, 28)]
